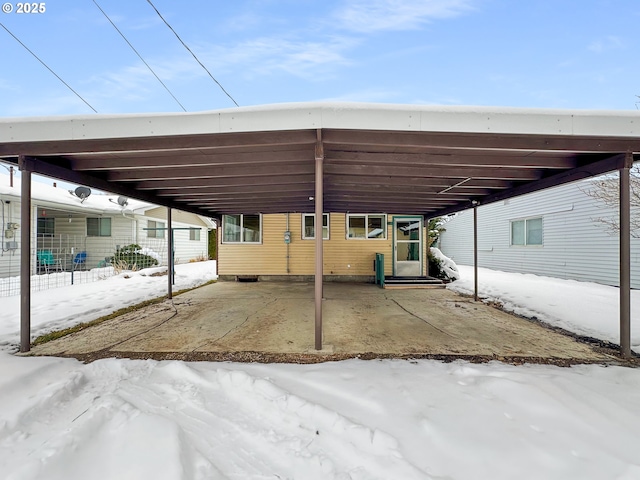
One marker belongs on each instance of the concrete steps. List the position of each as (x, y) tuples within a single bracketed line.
[(412, 282)]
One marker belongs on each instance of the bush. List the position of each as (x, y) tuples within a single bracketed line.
[(442, 267), (131, 257)]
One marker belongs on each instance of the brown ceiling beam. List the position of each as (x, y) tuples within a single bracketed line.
[(238, 190), (241, 200), (159, 143), (612, 163), (461, 172), (391, 197), (415, 189), (81, 163), (179, 184), (248, 170), (42, 167), (483, 141), (412, 209), (415, 159), (444, 182), (436, 150), (282, 207)]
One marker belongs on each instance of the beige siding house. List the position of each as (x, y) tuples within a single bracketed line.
[(65, 225), (259, 246)]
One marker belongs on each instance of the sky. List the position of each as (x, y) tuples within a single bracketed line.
[(576, 54)]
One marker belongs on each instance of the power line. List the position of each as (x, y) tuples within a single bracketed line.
[(193, 54), (48, 68), (139, 56)]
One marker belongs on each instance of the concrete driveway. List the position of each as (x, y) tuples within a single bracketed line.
[(273, 321)]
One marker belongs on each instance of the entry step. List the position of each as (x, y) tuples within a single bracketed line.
[(413, 282)]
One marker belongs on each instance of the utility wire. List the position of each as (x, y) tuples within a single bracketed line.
[(193, 54), (48, 68), (139, 56)]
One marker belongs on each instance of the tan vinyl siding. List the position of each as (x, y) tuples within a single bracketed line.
[(342, 256)]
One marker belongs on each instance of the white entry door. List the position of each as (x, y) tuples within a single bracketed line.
[(407, 246)]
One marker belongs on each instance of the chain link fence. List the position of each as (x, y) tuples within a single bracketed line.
[(63, 260)]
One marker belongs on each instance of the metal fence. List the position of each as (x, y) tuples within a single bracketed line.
[(63, 260)]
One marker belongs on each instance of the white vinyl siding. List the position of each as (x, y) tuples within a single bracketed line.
[(576, 246), (309, 225)]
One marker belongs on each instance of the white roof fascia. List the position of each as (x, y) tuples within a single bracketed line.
[(296, 116)]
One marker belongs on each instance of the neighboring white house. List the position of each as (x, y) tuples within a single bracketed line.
[(80, 234), (554, 233)]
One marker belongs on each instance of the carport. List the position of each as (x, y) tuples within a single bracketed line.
[(421, 160)]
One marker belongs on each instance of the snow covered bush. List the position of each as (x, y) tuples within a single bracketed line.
[(441, 266), (134, 257)]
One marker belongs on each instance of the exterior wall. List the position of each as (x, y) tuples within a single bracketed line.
[(342, 256), (185, 249), (575, 246), (9, 257)]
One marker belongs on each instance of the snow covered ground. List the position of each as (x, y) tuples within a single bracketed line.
[(584, 308), (387, 419)]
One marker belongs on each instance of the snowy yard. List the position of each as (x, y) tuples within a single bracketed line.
[(383, 419)]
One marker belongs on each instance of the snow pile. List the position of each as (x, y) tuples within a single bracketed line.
[(448, 266), (149, 252), (391, 419), (584, 308)]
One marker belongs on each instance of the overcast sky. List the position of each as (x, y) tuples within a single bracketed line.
[(546, 53)]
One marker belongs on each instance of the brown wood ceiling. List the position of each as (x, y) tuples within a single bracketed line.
[(364, 171)]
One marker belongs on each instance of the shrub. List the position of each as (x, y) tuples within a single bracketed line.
[(441, 266), (131, 257)]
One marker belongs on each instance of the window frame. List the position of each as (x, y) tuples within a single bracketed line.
[(42, 227), (192, 234), (525, 232), (366, 216), (313, 215), (242, 241), (100, 221), (156, 233)]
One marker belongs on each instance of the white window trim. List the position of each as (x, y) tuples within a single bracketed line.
[(100, 220), (242, 242), (192, 233), (366, 222), (525, 244), (313, 215), (157, 234)]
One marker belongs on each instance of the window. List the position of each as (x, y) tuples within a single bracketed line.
[(242, 228), (526, 232), (309, 226), (367, 226), (98, 227), (154, 229), (46, 227), (194, 234)]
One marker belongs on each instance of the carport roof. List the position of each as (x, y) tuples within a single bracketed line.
[(428, 160)]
